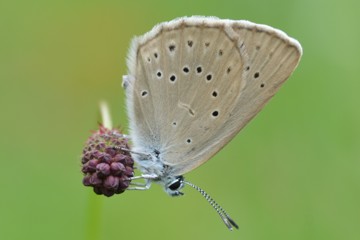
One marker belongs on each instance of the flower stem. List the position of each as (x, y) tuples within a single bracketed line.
[(93, 219), (105, 115)]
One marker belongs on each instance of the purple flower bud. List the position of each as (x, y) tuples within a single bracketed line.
[(108, 192), (119, 158), (106, 137), (111, 182), (94, 180), (117, 168), (86, 180), (103, 169), (129, 161), (84, 168), (129, 171), (98, 190), (96, 154), (124, 183), (111, 151), (86, 157), (100, 146), (91, 165), (105, 158)]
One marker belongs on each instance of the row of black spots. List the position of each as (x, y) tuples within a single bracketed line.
[(190, 44), (172, 77), (220, 51), (198, 70), (156, 55), (208, 78), (257, 47), (172, 48), (215, 94), (257, 75)]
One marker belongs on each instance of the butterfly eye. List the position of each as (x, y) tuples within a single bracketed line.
[(176, 184)]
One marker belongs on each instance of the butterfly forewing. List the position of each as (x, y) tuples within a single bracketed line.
[(197, 81)]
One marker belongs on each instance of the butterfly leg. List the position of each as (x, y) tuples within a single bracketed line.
[(145, 176), (142, 186)]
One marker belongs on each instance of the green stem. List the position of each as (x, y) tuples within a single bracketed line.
[(93, 218)]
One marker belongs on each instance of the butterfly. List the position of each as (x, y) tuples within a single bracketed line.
[(193, 83)]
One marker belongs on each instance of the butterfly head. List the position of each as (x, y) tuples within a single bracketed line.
[(173, 185)]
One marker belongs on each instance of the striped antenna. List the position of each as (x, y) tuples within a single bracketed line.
[(222, 213)]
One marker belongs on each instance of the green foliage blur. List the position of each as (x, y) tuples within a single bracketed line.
[(292, 173)]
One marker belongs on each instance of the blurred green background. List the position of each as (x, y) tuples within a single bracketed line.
[(292, 173)]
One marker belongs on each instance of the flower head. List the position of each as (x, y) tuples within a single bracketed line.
[(106, 166)]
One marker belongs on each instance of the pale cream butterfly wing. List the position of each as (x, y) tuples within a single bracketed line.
[(195, 83)]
